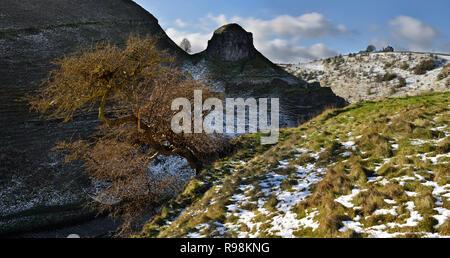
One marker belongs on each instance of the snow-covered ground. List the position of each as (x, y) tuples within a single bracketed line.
[(354, 78), (283, 222), (388, 230), (255, 216)]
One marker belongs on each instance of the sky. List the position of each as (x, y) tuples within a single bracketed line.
[(292, 31)]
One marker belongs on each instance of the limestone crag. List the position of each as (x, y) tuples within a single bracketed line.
[(231, 43)]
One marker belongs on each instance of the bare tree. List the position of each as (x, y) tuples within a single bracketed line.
[(132, 90), (186, 45)]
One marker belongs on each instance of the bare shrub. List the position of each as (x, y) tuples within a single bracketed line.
[(424, 66), (132, 90)]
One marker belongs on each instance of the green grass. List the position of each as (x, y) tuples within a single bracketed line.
[(374, 127)]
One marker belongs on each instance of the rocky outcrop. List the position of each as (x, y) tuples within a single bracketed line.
[(231, 60), (231, 43), (233, 65)]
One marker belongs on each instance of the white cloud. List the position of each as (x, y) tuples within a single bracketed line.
[(219, 20), (414, 33), (379, 43), (198, 41), (180, 23), (278, 38), (210, 22), (311, 25), (282, 51)]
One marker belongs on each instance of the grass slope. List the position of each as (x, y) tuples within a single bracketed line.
[(373, 169)]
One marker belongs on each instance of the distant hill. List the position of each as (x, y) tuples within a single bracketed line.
[(370, 76)]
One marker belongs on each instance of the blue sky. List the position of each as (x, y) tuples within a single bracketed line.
[(290, 31)]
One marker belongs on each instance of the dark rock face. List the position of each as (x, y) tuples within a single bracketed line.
[(232, 59), (231, 43), (244, 72), (32, 34), (297, 104)]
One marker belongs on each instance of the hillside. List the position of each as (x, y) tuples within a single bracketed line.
[(36, 189), (372, 169), (231, 64), (370, 76), (231, 60)]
